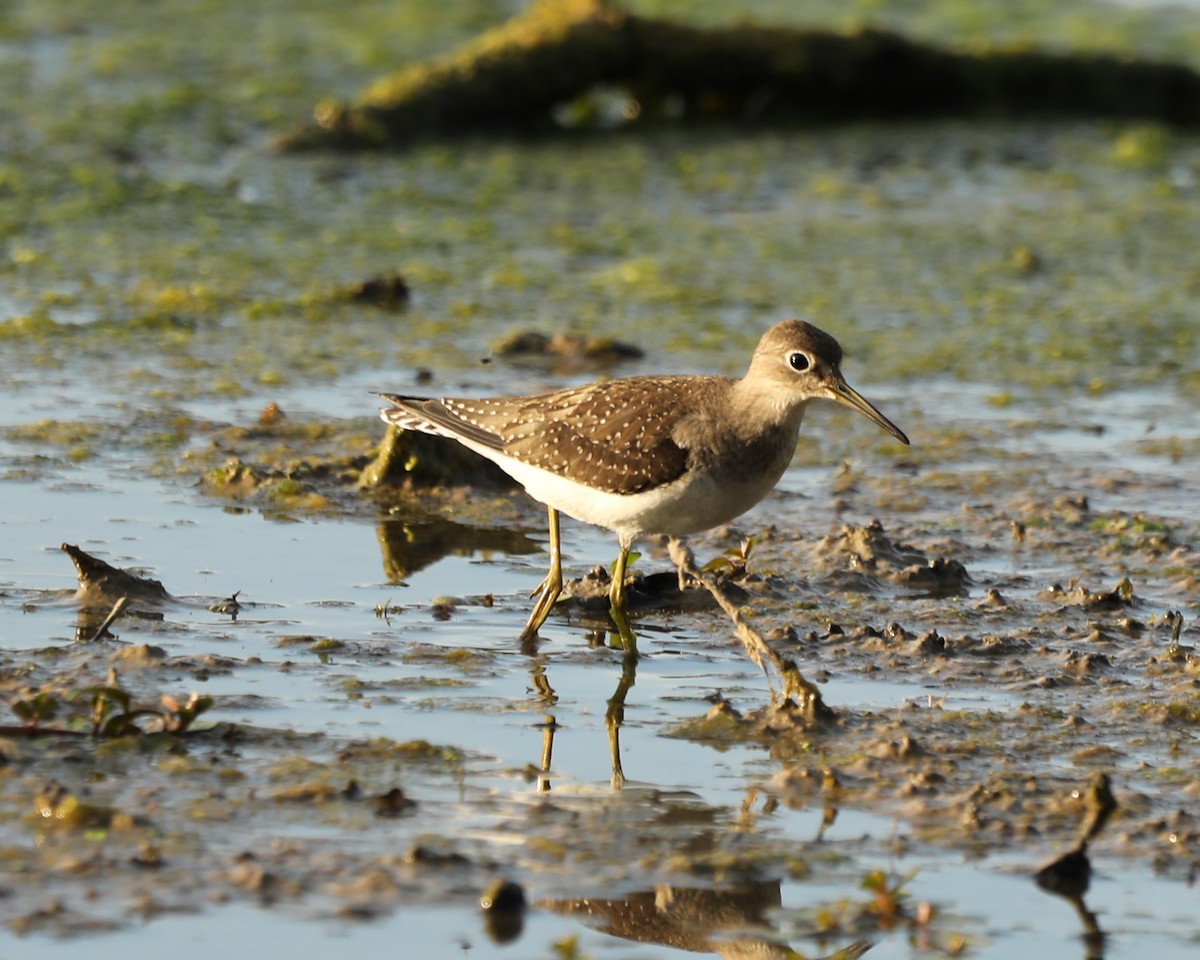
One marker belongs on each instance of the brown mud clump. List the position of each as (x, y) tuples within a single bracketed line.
[(100, 581), (388, 291), (864, 558), (411, 459)]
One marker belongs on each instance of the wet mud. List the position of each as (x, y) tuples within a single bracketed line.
[(1037, 635)]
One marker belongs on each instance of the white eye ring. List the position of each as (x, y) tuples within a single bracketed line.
[(799, 361)]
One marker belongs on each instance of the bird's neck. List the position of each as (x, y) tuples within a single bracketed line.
[(758, 411)]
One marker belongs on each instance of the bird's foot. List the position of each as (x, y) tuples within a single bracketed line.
[(549, 590)]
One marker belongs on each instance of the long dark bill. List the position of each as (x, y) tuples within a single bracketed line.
[(845, 394)]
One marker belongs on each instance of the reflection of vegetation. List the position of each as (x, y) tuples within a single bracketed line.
[(409, 546), (561, 50)]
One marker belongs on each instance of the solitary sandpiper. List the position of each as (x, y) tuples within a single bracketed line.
[(659, 454)]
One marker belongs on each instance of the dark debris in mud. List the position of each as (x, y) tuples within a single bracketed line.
[(565, 353), (389, 291)]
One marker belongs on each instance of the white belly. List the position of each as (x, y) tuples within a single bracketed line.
[(688, 505)]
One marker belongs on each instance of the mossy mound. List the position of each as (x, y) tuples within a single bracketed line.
[(513, 76)]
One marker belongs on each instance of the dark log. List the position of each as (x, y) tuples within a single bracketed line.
[(513, 76)]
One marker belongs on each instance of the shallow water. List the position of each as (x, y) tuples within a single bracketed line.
[(324, 577), (1046, 925)]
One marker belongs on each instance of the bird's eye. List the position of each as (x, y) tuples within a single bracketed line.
[(799, 361)]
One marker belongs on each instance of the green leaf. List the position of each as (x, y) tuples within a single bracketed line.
[(122, 698)]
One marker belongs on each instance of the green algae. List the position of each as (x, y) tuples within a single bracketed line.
[(639, 218), (1005, 335)]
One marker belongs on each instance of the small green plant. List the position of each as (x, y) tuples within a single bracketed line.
[(178, 719), (110, 713), (733, 560), (36, 710), (568, 949), (889, 903), (1175, 619)]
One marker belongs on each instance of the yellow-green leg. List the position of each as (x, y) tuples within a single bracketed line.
[(551, 587), (616, 600)]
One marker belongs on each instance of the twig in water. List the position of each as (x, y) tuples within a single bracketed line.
[(812, 706), (117, 609)]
